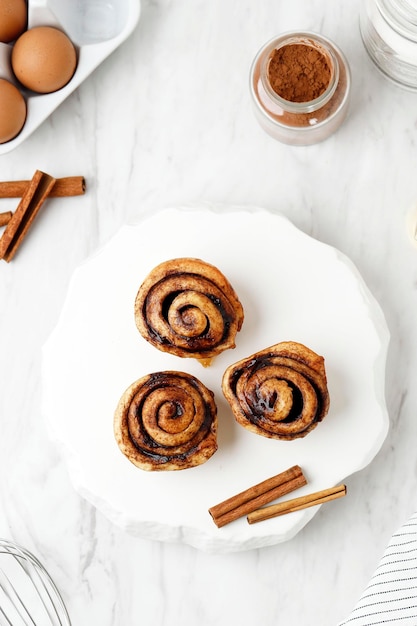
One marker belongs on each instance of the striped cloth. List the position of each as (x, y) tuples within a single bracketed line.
[(391, 595)]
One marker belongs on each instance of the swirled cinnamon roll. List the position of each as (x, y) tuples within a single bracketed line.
[(166, 421), (187, 307), (280, 392)]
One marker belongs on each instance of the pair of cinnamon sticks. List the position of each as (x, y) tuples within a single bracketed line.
[(33, 194), (251, 501)]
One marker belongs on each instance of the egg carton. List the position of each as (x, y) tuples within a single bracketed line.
[(95, 27)]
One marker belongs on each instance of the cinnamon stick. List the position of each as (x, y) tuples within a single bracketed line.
[(36, 193), (256, 496), (296, 504), (63, 187), (5, 218)]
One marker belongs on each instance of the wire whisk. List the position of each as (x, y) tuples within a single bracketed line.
[(28, 595)]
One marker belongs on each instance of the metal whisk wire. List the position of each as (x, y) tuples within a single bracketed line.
[(28, 595)]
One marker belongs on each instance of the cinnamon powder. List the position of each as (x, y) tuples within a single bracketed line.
[(298, 72), (299, 82), (304, 71)]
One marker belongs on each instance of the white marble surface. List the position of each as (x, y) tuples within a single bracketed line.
[(166, 120)]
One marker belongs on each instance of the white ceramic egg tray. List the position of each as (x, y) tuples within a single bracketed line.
[(96, 28)]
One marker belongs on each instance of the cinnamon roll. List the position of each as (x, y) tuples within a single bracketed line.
[(280, 392), (166, 421), (188, 308)]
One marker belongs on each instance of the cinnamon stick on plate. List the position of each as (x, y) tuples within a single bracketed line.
[(63, 187), (258, 495), (296, 504), (36, 193)]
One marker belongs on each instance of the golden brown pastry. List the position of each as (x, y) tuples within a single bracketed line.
[(166, 421), (280, 392), (188, 308)]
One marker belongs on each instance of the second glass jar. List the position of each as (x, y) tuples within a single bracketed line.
[(389, 33)]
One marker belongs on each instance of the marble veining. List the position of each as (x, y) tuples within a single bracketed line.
[(166, 121)]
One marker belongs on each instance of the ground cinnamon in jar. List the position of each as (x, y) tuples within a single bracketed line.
[(298, 72), (300, 87)]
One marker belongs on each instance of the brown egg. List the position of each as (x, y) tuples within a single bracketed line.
[(13, 19), (44, 59), (12, 111)]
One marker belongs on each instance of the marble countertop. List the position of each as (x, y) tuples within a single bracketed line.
[(166, 121)]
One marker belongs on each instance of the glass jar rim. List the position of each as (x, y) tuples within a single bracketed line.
[(401, 15), (300, 38)]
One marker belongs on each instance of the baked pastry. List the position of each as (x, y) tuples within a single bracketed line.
[(166, 421), (188, 308), (280, 392)]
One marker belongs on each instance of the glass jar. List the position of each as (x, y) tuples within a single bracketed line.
[(283, 113), (389, 33)]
